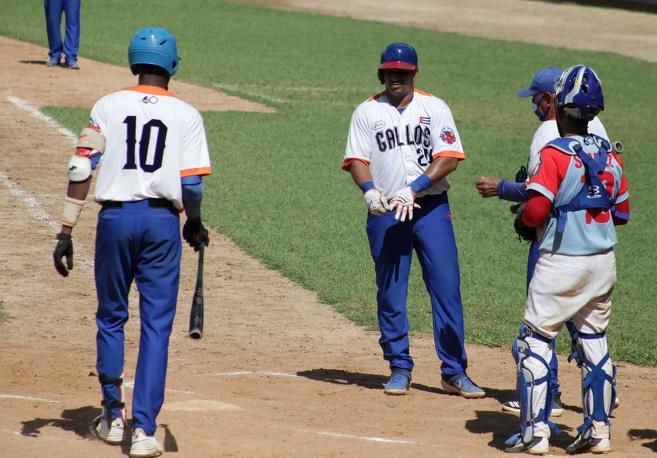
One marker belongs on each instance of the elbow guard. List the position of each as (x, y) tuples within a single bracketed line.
[(79, 168), (91, 138)]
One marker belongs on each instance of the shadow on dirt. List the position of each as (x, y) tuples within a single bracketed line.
[(503, 425), (75, 420), (80, 421), (644, 434), (33, 62), (373, 381)]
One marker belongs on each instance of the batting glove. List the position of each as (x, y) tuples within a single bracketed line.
[(403, 202), (63, 248), (376, 202), (195, 234)]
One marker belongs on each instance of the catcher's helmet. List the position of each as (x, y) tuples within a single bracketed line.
[(154, 46), (399, 56), (579, 93)]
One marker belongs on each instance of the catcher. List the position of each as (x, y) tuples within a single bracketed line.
[(541, 91)]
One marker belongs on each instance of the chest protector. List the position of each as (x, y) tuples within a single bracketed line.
[(593, 194)]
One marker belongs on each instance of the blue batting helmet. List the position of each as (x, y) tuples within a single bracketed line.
[(399, 56), (579, 93), (154, 46)]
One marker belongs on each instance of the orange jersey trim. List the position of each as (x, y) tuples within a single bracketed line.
[(457, 154), (346, 164), (377, 96), (146, 89), (199, 171)]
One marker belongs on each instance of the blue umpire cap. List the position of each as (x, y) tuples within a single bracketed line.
[(543, 80)]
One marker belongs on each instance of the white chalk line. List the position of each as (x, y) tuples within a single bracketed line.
[(23, 105), (131, 385), (35, 209), (383, 440), (256, 373), (27, 398)]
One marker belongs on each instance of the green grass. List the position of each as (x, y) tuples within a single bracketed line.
[(278, 190)]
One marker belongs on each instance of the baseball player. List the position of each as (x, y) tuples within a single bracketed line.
[(541, 90), (577, 194), (154, 153), (402, 144)]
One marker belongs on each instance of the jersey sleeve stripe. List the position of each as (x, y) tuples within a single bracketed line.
[(198, 171), (346, 164), (460, 155), (541, 190)]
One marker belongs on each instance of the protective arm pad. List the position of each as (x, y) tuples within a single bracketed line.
[(72, 209), (515, 192), (79, 168), (192, 194), (91, 138)]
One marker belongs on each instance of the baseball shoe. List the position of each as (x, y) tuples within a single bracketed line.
[(112, 433), (399, 383), (72, 64), (514, 406), (538, 446), (591, 445), (53, 61), (462, 385), (143, 445)]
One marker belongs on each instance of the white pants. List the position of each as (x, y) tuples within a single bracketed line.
[(571, 287)]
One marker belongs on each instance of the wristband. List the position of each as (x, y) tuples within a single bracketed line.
[(515, 192), (366, 186), (72, 209), (421, 183)]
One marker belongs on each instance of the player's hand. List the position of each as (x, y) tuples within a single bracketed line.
[(63, 248), (376, 202), (487, 186), (403, 202), (195, 234)]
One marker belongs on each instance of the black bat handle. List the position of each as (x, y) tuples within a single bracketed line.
[(196, 313)]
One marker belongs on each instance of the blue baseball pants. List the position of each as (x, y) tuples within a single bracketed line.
[(54, 10), (140, 242), (431, 235)]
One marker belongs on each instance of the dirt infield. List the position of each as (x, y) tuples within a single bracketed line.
[(277, 372)]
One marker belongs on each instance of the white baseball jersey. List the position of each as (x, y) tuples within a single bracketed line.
[(547, 132), (398, 147), (152, 140)]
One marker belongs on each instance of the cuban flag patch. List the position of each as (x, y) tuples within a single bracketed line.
[(425, 120), (447, 135)]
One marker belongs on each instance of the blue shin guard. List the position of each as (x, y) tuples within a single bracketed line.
[(534, 390), (598, 379)]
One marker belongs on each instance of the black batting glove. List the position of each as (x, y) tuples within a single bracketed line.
[(195, 234), (63, 248)]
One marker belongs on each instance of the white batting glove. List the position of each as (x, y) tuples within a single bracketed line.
[(403, 202), (376, 202)]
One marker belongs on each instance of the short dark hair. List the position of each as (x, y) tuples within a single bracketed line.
[(143, 69)]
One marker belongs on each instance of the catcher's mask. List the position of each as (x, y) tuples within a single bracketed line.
[(579, 93), (154, 46)]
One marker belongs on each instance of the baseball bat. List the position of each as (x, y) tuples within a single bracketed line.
[(196, 313)]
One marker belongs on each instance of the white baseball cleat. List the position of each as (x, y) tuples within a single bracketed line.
[(143, 445), (112, 433), (538, 446), (591, 445)]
